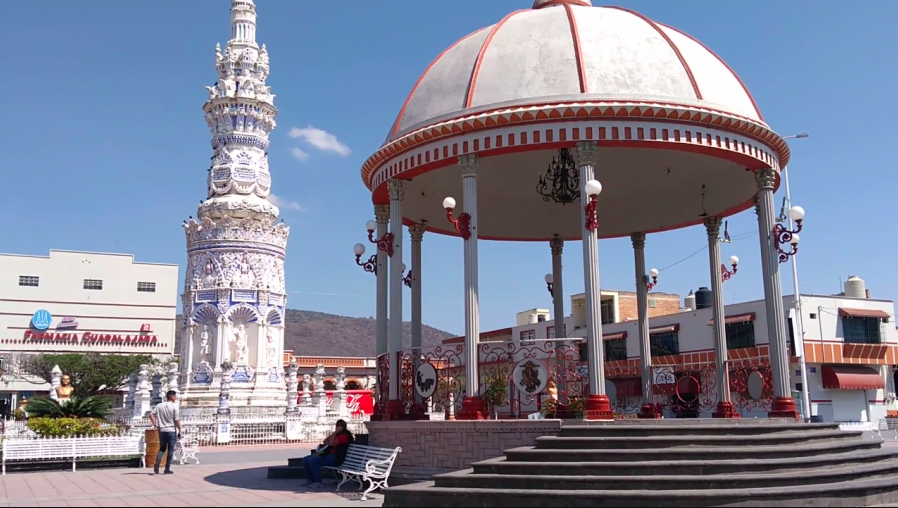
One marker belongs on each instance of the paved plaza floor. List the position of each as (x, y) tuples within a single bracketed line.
[(215, 484)]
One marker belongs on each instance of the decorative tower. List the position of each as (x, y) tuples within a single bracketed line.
[(234, 293)]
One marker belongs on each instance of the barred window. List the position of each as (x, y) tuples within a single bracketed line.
[(94, 284), (665, 344), (29, 281), (862, 330), (146, 287), (615, 349), (740, 335)]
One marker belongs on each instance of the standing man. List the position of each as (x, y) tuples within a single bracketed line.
[(167, 419)]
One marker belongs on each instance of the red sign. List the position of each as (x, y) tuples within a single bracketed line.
[(67, 323), (145, 327), (88, 337), (359, 401)]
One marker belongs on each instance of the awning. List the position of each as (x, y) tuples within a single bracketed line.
[(738, 318), (863, 313), (851, 377), (664, 329), (628, 387), (615, 336)]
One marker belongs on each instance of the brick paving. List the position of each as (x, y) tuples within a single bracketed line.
[(191, 485)]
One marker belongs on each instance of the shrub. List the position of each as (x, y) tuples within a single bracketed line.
[(71, 427), (77, 407)]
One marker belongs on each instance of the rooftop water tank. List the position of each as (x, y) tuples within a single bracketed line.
[(855, 287), (690, 300), (704, 298)]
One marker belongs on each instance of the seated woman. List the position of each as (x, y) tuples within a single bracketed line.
[(333, 453)]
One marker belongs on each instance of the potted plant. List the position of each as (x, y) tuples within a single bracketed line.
[(496, 395)]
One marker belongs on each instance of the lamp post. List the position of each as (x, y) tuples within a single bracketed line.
[(725, 274), (550, 284), (370, 265), (651, 280)]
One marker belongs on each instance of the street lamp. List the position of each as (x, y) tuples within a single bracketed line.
[(550, 284), (651, 280), (407, 279), (462, 223), (728, 274), (789, 236), (370, 265), (593, 189), (384, 243)]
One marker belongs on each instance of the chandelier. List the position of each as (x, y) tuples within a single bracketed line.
[(561, 183)]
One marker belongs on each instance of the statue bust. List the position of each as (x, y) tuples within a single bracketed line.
[(64, 390)]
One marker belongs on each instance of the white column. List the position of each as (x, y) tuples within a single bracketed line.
[(416, 232), (261, 352), (642, 314), (783, 403), (187, 360), (724, 405), (397, 192), (557, 246), (382, 216), (472, 405), (598, 407), (220, 342)]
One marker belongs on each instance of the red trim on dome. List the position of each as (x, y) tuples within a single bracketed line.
[(578, 53), (414, 88), (676, 50), (469, 96), (721, 60), (550, 3)]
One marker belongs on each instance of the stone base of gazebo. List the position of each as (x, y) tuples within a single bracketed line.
[(455, 444)]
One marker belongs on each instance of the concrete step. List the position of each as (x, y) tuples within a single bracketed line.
[(866, 492), (619, 466), (670, 481), (701, 427), (673, 441), (689, 452)]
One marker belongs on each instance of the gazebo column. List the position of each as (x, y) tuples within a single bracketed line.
[(783, 403), (472, 404), (561, 361), (382, 216), (598, 407), (395, 407), (724, 405), (642, 313), (416, 232)]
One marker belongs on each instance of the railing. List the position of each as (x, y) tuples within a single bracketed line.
[(538, 375)]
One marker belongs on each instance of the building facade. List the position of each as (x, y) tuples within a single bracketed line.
[(81, 302), (850, 347), (234, 292)]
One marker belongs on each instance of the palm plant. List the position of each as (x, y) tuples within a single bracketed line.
[(76, 407)]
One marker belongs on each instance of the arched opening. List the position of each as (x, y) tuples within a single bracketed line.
[(353, 385), (329, 385)]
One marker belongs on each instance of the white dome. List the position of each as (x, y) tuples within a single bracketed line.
[(564, 50)]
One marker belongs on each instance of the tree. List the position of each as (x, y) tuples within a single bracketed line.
[(91, 373), (86, 407)]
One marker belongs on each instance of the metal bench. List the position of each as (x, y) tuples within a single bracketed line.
[(366, 464), (71, 448), (187, 447), (886, 424)]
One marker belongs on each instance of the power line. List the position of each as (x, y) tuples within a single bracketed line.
[(705, 247)]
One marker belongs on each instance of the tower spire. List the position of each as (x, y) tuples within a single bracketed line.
[(243, 23)]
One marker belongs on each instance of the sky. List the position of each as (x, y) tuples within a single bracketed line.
[(107, 149)]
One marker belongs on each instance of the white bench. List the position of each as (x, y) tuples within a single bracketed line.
[(886, 424), (187, 447), (71, 448), (366, 464)]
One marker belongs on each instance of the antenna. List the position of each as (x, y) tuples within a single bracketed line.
[(840, 283)]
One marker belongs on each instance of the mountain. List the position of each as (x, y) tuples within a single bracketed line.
[(318, 334)]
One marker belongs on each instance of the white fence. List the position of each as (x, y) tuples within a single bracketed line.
[(245, 426)]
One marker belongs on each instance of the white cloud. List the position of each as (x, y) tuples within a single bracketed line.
[(322, 140), (300, 155), (284, 204)]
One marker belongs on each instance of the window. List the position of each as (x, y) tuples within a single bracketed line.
[(607, 309), (146, 287), (94, 284), (740, 335), (862, 330), (653, 303), (527, 335), (31, 281), (615, 349), (550, 332), (665, 343), (540, 318)]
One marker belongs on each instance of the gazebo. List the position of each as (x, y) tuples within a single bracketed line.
[(567, 122)]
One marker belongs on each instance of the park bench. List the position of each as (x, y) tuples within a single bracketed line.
[(71, 448), (366, 464), (187, 447)]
